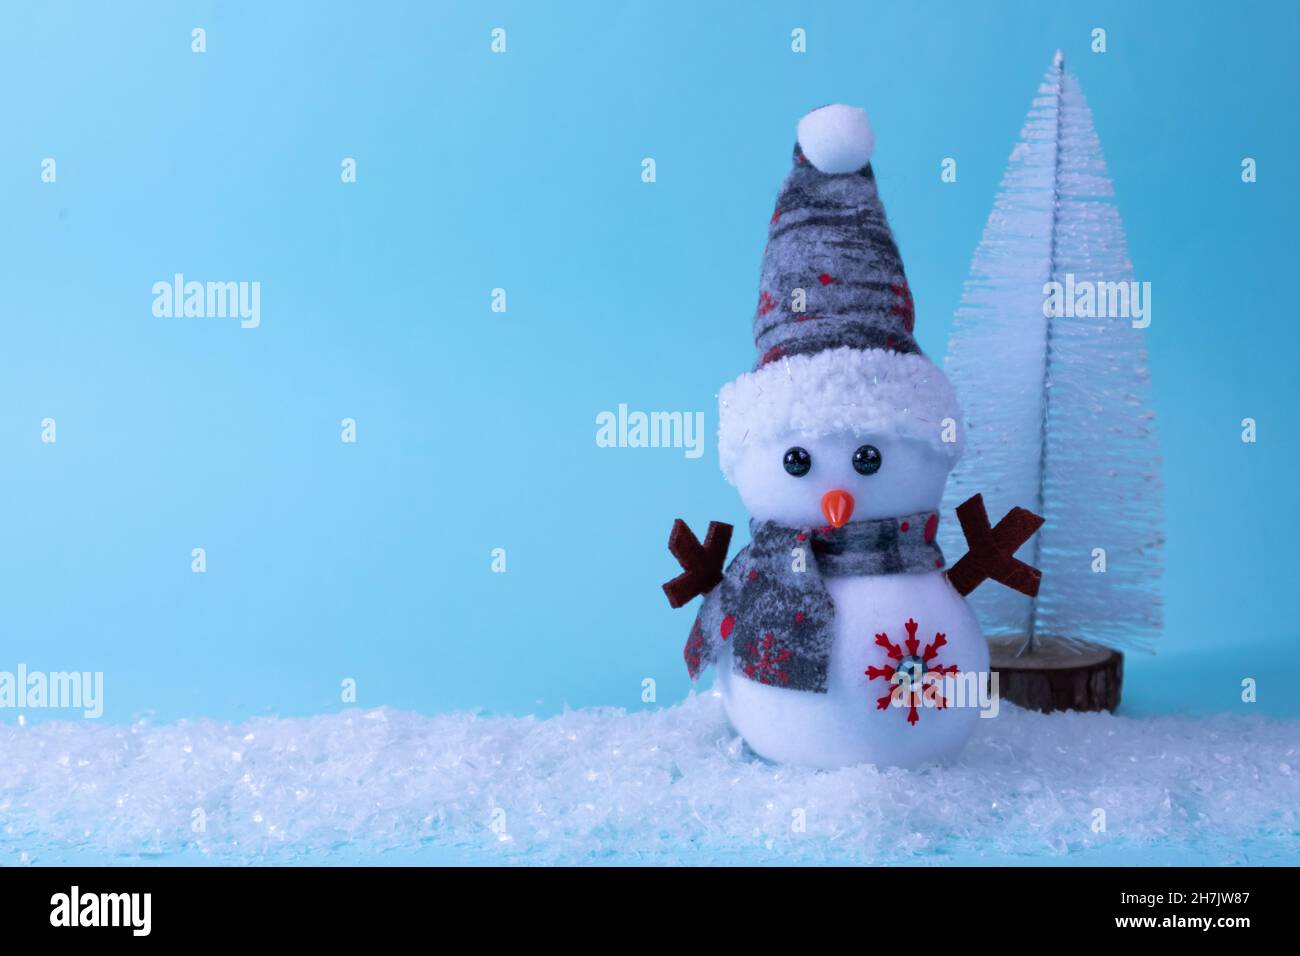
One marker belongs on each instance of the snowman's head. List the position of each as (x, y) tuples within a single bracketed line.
[(841, 435), (805, 480)]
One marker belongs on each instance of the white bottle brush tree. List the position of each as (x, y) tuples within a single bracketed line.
[(1058, 409)]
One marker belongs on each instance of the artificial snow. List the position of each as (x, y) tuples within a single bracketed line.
[(664, 785)]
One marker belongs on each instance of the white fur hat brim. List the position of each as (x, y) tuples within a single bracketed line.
[(863, 391)]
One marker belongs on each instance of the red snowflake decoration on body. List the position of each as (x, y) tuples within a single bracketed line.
[(908, 673), (766, 660)]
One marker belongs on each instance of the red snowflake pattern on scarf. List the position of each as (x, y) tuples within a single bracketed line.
[(693, 652), (766, 660)]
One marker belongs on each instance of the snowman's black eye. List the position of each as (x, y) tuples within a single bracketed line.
[(866, 460), (797, 461)]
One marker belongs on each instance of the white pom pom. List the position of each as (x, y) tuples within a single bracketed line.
[(837, 139)]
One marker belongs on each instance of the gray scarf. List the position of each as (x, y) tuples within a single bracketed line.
[(772, 606)]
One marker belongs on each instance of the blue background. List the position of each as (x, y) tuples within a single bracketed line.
[(477, 429)]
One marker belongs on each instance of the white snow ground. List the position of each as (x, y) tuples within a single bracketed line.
[(655, 786)]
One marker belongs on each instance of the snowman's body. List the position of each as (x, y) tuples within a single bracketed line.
[(844, 726)]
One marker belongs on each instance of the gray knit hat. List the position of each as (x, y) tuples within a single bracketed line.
[(835, 319)]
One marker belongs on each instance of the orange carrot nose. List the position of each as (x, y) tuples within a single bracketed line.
[(837, 506)]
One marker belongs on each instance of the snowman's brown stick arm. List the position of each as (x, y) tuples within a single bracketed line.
[(701, 563), (992, 549)]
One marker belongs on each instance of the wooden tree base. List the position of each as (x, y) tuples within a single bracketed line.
[(1056, 675)]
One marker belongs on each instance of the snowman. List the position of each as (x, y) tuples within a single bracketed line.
[(839, 634)]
